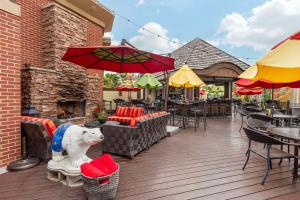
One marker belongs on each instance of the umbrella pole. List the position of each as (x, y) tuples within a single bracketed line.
[(166, 77), (273, 99)]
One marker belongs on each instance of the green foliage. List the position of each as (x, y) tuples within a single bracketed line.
[(267, 95), (214, 91), (101, 115), (111, 80)]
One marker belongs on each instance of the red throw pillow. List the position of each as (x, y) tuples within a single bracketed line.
[(99, 164), (110, 163), (90, 171)]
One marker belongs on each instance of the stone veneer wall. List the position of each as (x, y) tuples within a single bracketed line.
[(59, 80)]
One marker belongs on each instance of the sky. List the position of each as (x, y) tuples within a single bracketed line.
[(246, 29)]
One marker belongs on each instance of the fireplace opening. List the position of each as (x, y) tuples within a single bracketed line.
[(70, 109)]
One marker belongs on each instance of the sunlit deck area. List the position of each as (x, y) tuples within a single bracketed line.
[(189, 165)]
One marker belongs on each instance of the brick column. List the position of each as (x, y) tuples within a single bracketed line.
[(10, 97)]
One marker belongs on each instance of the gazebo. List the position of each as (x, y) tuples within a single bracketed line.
[(210, 63)]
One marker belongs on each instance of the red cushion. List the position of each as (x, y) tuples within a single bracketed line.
[(47, 123), (26, 118), (139, 112), (118, 111), (123, 112), (133, 122), (89, 170), (109, 162), (98, 163)]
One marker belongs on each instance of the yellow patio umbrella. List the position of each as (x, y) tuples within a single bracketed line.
[(249, 73), (282, 63), (185, 77)]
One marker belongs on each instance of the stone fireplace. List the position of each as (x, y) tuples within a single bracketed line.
[(61, 89)]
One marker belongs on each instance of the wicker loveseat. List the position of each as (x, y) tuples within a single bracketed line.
[(140, 134)]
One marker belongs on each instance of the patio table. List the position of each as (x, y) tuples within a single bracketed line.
[(290, 134), (284, 118), (185, 108)]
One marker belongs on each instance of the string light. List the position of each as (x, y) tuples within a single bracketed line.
[(163, 37)]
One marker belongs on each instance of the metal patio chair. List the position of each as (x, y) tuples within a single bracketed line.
[(270, 153)]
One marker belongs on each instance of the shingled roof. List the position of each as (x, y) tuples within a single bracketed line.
[(199, 54)]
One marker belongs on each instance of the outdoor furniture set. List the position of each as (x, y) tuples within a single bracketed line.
[(136, 131), (262, 129)]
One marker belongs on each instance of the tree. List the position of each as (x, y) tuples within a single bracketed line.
[(111, 80)]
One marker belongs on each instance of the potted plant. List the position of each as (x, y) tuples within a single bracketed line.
[(101, 116)]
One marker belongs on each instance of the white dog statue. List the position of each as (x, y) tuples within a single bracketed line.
[(76, 140)]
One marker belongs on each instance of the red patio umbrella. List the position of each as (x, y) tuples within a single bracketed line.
[(118, 59), (247, 83), (120, 88), (243, 91), (202, 91)]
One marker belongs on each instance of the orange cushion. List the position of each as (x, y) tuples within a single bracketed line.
[(26, 118), (134, 121), (118, 111), (137, 111), (47, 123), (119, 119), (121, 111)]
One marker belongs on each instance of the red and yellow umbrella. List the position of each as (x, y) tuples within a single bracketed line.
[(282, 63)]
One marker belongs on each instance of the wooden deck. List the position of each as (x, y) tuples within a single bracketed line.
[(189, 165)]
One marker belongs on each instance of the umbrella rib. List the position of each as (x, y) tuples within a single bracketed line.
[(141, 63), (104, 58), (106, 50)]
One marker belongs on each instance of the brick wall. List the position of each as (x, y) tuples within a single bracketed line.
[(94, 38), (32, 31), (10, 96)]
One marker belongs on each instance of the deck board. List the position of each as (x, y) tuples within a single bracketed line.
[(189, 165)]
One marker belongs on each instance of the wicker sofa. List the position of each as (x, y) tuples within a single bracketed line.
[(142, 132)]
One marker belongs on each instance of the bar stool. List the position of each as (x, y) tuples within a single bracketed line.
[(199, 111), (173, 110)]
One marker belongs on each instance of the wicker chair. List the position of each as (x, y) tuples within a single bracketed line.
[(38, 142), (270, 153)]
